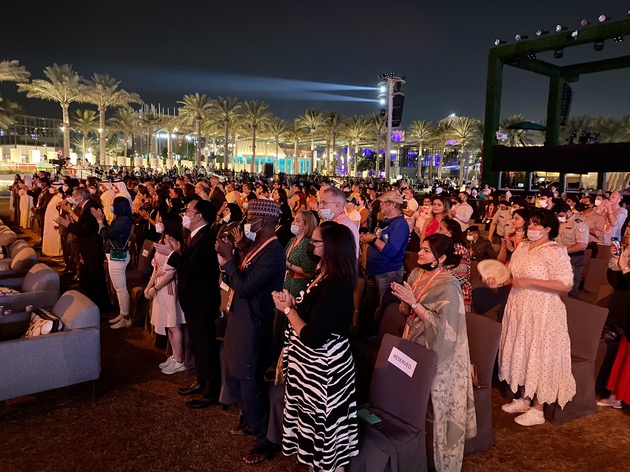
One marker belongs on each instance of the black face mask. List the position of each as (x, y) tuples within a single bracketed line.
[(311, 255), (428, 266)]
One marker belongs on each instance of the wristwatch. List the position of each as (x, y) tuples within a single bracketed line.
[(414, 305), (374, 239), (287, 310)]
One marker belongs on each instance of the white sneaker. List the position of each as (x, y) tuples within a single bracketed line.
[(123, 323), (531, 418), (517, 406), (166, 362), (173, 367), (115, 320)]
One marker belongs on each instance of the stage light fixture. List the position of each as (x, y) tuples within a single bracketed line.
[(618, 39), (541, 32), (584, 22), (603, 18), (558, 53), (560, 28), (520, 37), (574, 35), (499, 41), (531, 55), (598, 45)]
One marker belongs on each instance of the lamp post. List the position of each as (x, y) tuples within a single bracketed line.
[(390, 84)]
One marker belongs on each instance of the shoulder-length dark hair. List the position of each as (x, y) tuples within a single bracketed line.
[(442, 245), (121, 207), (172, 225), (546, 219), (340, 258), (455, 229)]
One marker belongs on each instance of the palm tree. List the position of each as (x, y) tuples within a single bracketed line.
[(356, 128), (212, 130), (464, 129), (169, 124), (312, 120), (441, 134), (102, 91), (84, 143), (576, 125), (420, 130), (84, 122), (332, 124), (12, 71), (612, 130), (516, 137), (149, 123), (295, 134), (226, 110), (379, 127), (277, 128), (64, 86), (254, 116), (196, 109), (124, 121)]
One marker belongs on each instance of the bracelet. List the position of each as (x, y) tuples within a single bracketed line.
[(373, 240)]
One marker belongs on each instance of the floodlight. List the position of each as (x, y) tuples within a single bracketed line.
[(574, 35), (560, 28), (618, 39), (598, 45), (584, 22), (558, 53), (498, 42), (383, 101), (531, 55), (603, 18), (541, 32), (520, 37)]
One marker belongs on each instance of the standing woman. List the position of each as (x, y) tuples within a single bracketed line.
[(116, 236), (431, 299), (516, 234), (320, 418), (166, 313), (535, 350), (440, 209), (300, 267), (26, 201), (51, 239)]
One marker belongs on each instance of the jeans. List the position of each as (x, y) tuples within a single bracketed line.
[(384, 280), (118, 277)]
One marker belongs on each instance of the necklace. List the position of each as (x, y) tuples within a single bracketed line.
[(314, 283)]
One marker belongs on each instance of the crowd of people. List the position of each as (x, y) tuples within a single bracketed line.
[(281, 258)]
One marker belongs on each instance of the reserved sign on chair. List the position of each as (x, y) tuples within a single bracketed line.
[(402, 361)]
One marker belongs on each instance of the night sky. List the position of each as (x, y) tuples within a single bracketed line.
[(297, 54)]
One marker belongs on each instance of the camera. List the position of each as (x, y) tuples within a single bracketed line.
[(617, 245)]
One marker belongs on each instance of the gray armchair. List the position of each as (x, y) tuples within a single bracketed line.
[(54, 360), (39, 287), (18, 265)]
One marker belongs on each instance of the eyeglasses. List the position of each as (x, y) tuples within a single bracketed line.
[(316, 241)]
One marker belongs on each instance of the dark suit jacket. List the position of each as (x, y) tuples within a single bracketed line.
[(198, 274), (482, 249), (86, 229)]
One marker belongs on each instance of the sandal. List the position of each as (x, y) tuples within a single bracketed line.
[(256, 456)]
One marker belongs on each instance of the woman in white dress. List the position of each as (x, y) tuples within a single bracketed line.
[(166, 313), (26, 202), (535, 350), (51, 239)]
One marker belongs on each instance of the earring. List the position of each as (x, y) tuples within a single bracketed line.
[(434, 263)]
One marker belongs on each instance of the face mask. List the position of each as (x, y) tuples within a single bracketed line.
[(186, 221), (72, 201), (295, 229), (311, 254), (159, 228), (326, 213), (92, 191), (429, 266), (64, 187), (470, 237), (226, 219), (598, 203), (245, 205), (562, 219), (249, 234), (542, 203), (534, 234)]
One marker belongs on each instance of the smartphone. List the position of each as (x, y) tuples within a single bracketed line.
[(617, 245), (369, 417)]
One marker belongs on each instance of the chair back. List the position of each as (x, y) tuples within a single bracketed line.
[(483, 342), (585, 322), (16, 246), (144, 259), (392, 321), (399, 388), (77, 311), (24, 260), (7, 237), (595, 278), (41, 278)]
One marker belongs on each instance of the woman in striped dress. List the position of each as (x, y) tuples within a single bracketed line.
[(320, 414)]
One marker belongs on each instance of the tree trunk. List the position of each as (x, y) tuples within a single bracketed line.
[(356, 156), (295, 167), (334, 145), (101, 135), (198, 150), (66, 129), (312, 151), (226, 156), (419, 170), (252, 167), (126, 138)]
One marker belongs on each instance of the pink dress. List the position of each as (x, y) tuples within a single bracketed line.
[(535, 350)]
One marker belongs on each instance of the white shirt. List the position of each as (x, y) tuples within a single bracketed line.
[(462, 213)]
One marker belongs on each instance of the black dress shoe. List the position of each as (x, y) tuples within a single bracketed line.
[(191, 390), (202, 403)]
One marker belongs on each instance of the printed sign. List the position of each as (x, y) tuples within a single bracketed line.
[(402, 361)]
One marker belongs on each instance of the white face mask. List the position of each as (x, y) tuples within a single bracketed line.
[(186, 221), (542, 203), (92, 191), (598, 203), (562, 219), (535, 234), (159, 228), (470, 237), (72, 201), (326, 213), (226, 219), (249, 234), (295, 229)]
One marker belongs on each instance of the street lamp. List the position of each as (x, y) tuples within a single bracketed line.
[(389, 87)]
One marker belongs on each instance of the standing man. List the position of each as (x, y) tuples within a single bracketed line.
[(332, 203), (199, 296), (615, 216), (248, 342), (595, 222), (217, 197), (574, 236), (500, 220), (410, 207), (462, 211)]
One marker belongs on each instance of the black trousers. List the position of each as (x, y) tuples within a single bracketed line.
[(93, 282), (205, 350)]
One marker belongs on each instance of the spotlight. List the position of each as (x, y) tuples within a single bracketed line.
[(558, 53), (560, 28), (520, 37), (603, 18), (598, 45), (574, 35), (618, 39), (541, 32), (531, 55), (498, 42), (584, 22)]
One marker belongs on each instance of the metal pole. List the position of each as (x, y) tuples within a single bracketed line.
[(390, 105)]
